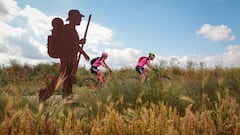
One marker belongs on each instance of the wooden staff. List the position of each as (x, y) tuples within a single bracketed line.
[(85, 35)]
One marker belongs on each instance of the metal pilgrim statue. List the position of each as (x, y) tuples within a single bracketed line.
[(64, 43)]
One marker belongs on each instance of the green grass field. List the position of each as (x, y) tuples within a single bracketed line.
[(194, 102)]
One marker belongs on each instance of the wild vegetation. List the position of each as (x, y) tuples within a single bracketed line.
[(196, 101)]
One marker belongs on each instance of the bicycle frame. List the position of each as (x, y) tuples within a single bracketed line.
[(93, 82), (160, 77)]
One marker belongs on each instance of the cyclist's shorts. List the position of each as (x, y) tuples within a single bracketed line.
[(94, 70), (139, 69)]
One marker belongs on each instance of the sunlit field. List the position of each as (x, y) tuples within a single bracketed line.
[(196, 101)]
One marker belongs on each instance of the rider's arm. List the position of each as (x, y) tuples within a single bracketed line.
[(105, 66), (150, 65)]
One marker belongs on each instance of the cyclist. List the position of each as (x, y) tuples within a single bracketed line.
[(142, 61), (100, 61)]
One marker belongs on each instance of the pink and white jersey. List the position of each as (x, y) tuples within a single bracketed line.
[(142, 61), (97, 63)]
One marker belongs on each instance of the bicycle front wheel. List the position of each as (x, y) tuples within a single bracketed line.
[(88, 82), (132, 80)]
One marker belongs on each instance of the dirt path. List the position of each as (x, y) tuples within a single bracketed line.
[(53, 97)]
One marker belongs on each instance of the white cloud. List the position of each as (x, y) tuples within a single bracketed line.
[(216, 33), (8, 9), (232, 56), (19, 42), (123, 57), (229, 58), (117, 58), (24, 31), (37, 21), (6, 59), (98, 37), (97, 34)]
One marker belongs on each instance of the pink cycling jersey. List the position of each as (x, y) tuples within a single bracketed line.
[(142, 62), (97, 63)]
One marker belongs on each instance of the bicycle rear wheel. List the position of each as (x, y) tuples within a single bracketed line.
[(165, 81), (132, 80), (89, 82)]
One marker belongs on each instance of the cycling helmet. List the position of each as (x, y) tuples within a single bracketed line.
[(151, 54), (104, 54)]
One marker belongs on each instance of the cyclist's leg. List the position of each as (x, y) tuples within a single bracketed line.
[(160, 79), (100, 76), (144, 74), (140, 70), (145, 70), (94, 70), (105, 78), (143, 77)]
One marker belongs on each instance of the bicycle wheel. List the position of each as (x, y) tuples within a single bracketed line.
[(165, 80), (165, 77), (116, 79), (88, 82), (132, 80)]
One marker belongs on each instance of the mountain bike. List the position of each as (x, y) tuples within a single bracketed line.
[(156, 76), (93, 83)]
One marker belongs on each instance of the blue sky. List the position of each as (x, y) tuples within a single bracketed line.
[(190, 30)]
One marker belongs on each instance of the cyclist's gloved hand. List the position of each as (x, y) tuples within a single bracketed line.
[(156, 69), (110, 71)]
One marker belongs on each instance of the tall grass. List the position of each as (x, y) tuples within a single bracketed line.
[(196, 101)]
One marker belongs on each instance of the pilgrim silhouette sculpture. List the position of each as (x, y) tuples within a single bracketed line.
[(64, 43)]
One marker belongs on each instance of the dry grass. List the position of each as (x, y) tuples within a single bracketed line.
[(112, 112), (158, 119)]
